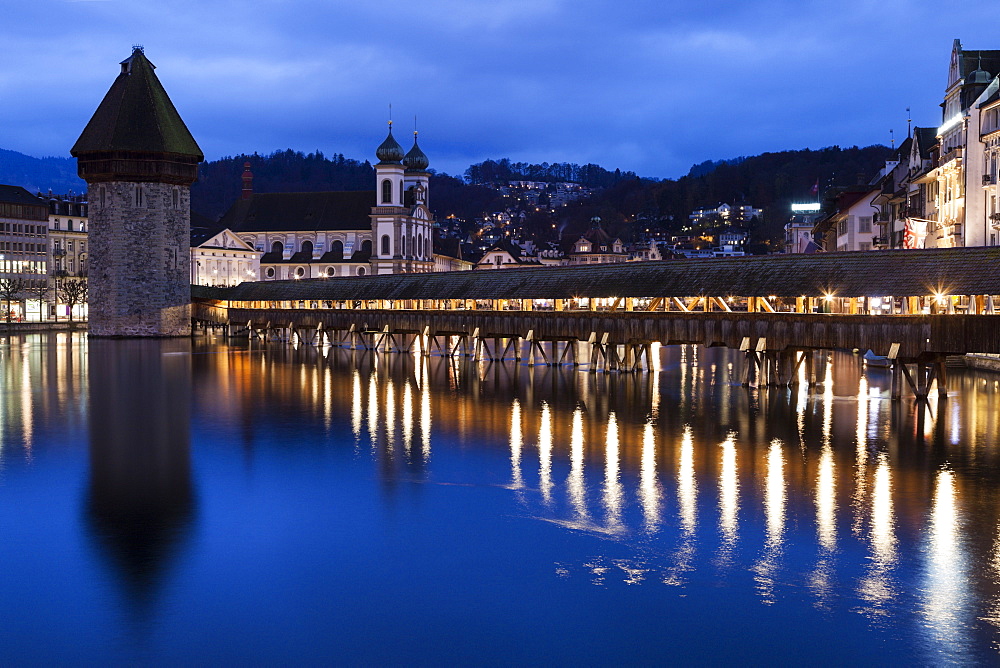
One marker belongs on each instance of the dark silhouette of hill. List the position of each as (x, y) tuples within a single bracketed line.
[(770, 181), (627, 204), (220, 182), (40, 174)]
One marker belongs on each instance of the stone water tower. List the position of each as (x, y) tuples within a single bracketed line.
[(139, 161)]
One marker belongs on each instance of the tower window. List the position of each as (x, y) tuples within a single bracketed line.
[(102, 193), (387, 192), (177, 197), (385, 242)]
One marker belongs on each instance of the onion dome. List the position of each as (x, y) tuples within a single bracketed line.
[(416, 160), (389, 152)]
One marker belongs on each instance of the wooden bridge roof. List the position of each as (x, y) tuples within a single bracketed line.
[(956, 271)]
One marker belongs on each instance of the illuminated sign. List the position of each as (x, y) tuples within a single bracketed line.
[(805, 208)]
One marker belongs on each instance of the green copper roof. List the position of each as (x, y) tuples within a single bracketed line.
[(136, 115), (416, 160), (389, 152)]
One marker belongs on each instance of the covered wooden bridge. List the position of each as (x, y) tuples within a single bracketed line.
[(917, 305)]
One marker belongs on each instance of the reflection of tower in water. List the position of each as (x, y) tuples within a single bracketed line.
[(140, 499)]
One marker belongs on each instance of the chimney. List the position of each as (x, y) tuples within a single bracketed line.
[(247, 181)]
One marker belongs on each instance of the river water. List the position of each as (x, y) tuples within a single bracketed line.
[(179, 502)]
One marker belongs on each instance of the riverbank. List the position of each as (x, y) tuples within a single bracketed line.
[(43, 326)]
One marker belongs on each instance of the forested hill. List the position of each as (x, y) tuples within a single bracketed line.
[(501, 172), (220, 181), (771, 181), (40, 174), (626, 203)]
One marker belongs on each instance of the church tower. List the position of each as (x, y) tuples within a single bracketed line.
[(401, 221), (139, 161), (388, 211)]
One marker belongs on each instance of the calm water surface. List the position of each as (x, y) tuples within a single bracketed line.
[(175, 502)]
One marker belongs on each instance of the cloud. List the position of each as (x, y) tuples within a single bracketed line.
[(646, 86)]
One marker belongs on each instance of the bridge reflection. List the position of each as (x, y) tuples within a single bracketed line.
[(792, 488)]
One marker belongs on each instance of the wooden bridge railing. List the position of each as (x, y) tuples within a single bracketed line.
[(918, 335)]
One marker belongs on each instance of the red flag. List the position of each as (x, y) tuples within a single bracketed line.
[(815, 189)]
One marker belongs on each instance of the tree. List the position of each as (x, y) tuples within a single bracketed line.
[(10, 290), (73, 291), (39, 290)]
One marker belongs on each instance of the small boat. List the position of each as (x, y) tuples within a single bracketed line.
[(881, 361)]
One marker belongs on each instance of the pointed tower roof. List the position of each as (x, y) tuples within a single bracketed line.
[(137, 116), (416, 160), (389, 152)]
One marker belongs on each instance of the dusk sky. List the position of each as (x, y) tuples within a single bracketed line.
[(642, 85)]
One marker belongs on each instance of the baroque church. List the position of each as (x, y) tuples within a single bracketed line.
[(321, 234)]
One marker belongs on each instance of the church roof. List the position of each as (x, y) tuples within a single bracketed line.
[(301, 212), (136, 115)]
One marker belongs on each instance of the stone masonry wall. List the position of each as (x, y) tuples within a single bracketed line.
[(139, 268)]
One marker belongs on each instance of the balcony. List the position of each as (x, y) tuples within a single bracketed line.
[(989, 180)]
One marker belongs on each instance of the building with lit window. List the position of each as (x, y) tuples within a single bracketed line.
[(222, 259), (24, 220), (313, 235), (969, 75), (67, 246)]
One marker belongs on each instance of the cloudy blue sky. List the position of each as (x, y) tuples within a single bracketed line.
[(644, 85)]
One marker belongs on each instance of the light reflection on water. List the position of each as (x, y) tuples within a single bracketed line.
[(828, 506)]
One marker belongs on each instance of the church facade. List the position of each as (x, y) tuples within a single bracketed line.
[(388, 230)]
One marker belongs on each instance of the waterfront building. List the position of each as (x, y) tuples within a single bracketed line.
[(139, 161), (891, 199), (969, 74), (23, 251), (982, 222), (222, 259), (920, 187), (67, 247), (388, 230), (851, 226)]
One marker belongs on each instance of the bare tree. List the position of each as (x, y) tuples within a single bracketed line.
[(11, 290), (73, 291), (40, 291)]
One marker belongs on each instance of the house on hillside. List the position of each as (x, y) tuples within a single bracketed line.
[(596, 246), (506, 255)]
